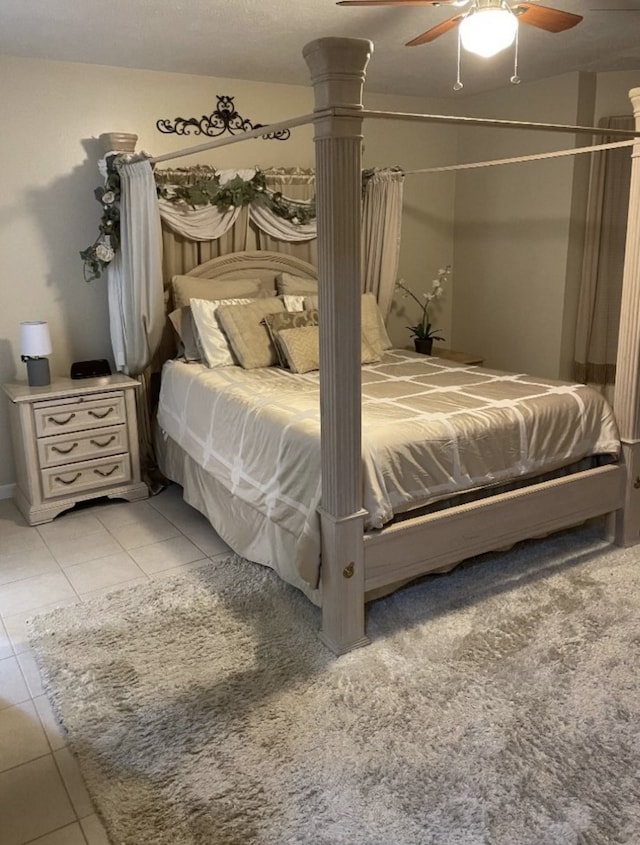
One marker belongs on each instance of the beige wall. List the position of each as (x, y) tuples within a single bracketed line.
[(612, 92), (514, 255), (53, 113), (519, 229)]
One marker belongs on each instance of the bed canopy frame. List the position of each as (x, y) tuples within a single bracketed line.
[(355, 563)]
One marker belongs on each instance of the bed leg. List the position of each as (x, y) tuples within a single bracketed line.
[(623, 526), (342, 574)]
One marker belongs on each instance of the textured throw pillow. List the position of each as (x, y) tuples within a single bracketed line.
[(287, 320), (295, 285), (373, 327), (185, 288), (301, 347), (212, 340), (247, 333), (182, 321)]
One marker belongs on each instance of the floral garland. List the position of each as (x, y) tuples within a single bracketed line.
[(101, 253), (204, 190)]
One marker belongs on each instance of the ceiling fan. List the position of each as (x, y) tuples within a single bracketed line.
[(486, 26)]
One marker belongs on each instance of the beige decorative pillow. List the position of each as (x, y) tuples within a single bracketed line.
[(373, 327), (247, 333), (301, 347), (182, 321), (185, 288), (288, 320), (212, 341), (295, 285)]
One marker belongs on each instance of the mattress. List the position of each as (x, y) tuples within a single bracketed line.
[(430, 429)]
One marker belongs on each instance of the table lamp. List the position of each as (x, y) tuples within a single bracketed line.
[(35, 343)]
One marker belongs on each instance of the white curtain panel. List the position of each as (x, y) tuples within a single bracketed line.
[(204, 223), (278, 227), (381, 234), (136, 298)]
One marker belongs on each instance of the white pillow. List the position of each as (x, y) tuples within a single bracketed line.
[(293, 302), (212, 340)]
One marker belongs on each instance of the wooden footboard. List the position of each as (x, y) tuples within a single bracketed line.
[(435, 541)]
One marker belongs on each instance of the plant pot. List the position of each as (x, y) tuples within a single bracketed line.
[(424, 345)]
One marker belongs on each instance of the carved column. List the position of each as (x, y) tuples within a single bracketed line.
[(627, 391), (337, 68)]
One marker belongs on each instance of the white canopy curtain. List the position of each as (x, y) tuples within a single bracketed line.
[(602, 270), (381, 230), (208, 223), (136, 297), (193, 236), (136, 301)]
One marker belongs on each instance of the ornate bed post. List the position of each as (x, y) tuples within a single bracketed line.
[(337, 68), (627, 390)]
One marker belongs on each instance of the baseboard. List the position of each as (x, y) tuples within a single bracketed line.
[(6, 490)]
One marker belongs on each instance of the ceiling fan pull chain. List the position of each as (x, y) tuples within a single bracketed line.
[(515, 78), (458, 86)]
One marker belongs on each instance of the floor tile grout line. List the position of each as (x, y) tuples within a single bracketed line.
[(55, 830), (64, 783), (26, 763)]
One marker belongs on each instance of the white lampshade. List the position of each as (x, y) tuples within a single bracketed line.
[(35, 340), (487, 31)]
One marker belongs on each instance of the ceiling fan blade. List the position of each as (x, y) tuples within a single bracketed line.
[(394, 2), (435, 31), (552, 20)]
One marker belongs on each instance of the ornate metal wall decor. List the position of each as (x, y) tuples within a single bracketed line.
[(223, 119)]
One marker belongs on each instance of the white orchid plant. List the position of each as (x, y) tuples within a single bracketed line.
[(423, 330)]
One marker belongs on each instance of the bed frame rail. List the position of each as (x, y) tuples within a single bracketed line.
[(436, 541)]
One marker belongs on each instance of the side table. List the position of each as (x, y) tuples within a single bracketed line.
[(73, 440)]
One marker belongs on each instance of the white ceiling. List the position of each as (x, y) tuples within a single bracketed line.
[(263, 40)]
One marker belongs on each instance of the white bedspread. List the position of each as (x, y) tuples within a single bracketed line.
[(430, 429)]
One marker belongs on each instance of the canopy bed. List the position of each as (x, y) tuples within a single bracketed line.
[(365, 550)]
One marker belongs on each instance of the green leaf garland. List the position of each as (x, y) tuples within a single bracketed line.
[(204, 189)]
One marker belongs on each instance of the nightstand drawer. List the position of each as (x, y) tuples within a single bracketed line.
[(89, 475), (91, 412), (82, 446)]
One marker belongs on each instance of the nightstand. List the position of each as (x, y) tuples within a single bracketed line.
[(73, 440), (465, 358)]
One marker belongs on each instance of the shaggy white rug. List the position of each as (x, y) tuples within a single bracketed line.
[(496, 705)]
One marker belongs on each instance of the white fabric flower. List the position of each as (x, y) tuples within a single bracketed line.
[(108, 197), (104, 253)]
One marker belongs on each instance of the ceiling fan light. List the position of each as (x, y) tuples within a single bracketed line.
[(488, 31)]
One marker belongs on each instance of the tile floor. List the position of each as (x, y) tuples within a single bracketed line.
[(85, 552)]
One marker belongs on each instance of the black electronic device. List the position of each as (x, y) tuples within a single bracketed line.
[(90, 369)]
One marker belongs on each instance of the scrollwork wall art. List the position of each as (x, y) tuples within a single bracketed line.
[(224, 118)]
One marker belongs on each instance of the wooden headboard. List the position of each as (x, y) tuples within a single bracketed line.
[(260, 264)]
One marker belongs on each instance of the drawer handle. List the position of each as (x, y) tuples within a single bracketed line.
[(70, 481), (64, 451), (106, 443), (101, 416), (61, 422), (108, 472)]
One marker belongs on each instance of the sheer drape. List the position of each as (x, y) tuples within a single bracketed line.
[(381, 229), (136, 304), (136, 300), (602, 270)]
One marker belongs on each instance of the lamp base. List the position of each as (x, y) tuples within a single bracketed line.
[(38, 372)]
